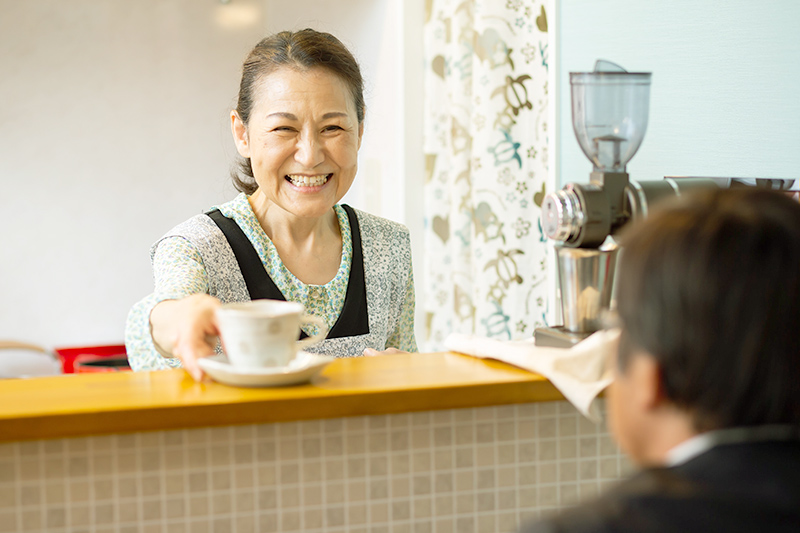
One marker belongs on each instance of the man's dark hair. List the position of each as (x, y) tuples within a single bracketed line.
[(710, 286)]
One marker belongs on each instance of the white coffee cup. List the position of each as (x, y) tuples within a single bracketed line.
[(263, 333)]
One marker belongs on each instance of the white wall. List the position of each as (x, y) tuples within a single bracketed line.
[(114, 127), (724, 97)]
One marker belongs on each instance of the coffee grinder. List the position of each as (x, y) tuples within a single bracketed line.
[(609, 116)]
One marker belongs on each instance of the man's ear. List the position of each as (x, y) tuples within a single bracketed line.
[(240, 137), (648, 388)]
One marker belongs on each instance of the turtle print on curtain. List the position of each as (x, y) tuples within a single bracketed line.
[(486, 138)]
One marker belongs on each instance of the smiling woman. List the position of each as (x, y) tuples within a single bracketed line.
[(298, 127)]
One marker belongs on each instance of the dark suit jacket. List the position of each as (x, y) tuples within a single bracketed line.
[(749, 487)]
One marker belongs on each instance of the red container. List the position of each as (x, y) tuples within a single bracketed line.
[(68, 356)]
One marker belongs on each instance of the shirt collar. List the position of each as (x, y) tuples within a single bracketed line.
[(699, 444)]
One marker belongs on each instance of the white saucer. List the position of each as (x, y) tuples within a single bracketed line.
[(304, 367)]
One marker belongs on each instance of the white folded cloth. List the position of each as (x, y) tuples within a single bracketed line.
[(580, 372)]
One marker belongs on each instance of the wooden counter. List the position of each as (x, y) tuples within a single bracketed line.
[(91, 404)]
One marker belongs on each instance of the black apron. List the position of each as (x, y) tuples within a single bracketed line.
[(353, 319)]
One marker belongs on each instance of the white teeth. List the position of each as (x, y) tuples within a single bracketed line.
[(308, 181)]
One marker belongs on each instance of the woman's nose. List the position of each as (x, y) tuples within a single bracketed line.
[(309, 151)]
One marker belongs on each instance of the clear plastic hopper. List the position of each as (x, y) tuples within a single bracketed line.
[(609, 113)]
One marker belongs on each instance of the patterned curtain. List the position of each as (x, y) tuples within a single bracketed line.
[(486, 137)]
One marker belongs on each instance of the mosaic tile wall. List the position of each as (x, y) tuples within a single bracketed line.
[(464, 470)]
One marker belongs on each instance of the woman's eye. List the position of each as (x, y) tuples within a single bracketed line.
[(333, 128)]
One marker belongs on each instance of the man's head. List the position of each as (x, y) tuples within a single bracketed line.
[(709, 300)]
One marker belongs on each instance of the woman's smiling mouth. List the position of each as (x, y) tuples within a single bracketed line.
[(308, 181)]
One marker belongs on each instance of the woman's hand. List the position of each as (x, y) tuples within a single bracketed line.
[(370, 352), (186, 329)]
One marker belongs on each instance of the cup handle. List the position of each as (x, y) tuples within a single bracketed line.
[(314, 339)]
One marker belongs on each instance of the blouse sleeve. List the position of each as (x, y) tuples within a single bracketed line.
[(179, 272), (403, 337)]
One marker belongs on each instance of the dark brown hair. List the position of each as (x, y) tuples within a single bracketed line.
[(710, 286), (302, 50)]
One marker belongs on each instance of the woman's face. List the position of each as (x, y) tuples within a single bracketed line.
[(302, 140)]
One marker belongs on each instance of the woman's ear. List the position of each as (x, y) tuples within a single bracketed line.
[(240, 137)]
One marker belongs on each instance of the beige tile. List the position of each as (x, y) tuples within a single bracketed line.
[(220, 455), (199, 506), (290, 497), (29, 470), (8, 497), (485, 455), (53, 468), (313, 519), (465, 503), (465, 434), (334, 517), (401, 487), (443, 504), (175, 508), (78, 466), (312, 495), (31, 449), (103, 489), (486, 524), (609, 468), (267, 475), (334, 469), (506, 454), (378, 512), (55, 446), (79, 515), (486, 502), (151, 485), (548, 473), (198, 457), (465, 481), (198, 481), (334, 493), (588, 447), (443, 459), (377, 442), (548, 450), (104, 513), (333, 445), (443, 482), (399, 440), (588, 489), (55, 493), (400, 464), (356, 491), (266, 451), (445, 525), (355, 443), (243, 453), (587, 470), (379, 466), (357, 514), (173, 459), (312, 448), (548, 496), (55, 517), (312, 471), (507, 476), (244, 524), (267, 499), (288, 450), (507, 499), (289, 473), (174, 483), (421, 462), (244, 433), (567, 448), (421, 438), (608, 446), (422, 508), (421, 485), (31, 494), (151, 509), (465, 457), (31, 520), (507, 522), (546, 428), (289, 521), (356, 467), (378, 488), (486, 479), (526, 430), (129, 512), (310, 427), (548, 409), (485, 432), (244, 478), (568, 494), (400, 509), (567, 427)]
